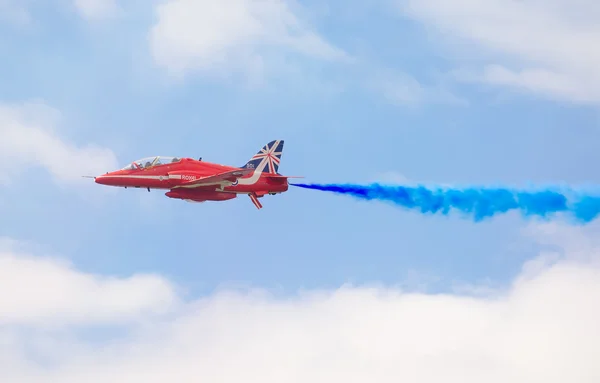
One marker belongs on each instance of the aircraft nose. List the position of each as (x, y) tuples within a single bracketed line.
[(100, 180)]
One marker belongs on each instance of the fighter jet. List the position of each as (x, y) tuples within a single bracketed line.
[(194, 180)]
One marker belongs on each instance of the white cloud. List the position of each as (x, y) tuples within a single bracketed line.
[(29, 139), (546, 47), (228, 36), (46, 291), (96, 9), (543, 329)]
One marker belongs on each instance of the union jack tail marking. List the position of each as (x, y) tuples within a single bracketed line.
[(268, 158)]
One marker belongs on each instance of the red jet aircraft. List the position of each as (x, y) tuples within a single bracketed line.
[(199, 181)]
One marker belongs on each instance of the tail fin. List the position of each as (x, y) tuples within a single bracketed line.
[(267, 159)]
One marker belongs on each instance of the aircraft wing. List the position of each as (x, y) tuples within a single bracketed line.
[(215, 179)]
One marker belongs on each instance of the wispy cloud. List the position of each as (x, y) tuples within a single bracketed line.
[(402, 89), (14, 12), (30, 139), (231, 36), (19, 12), (547, 48), (97, 9)]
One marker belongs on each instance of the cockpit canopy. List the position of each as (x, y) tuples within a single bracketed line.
[(149, 162)]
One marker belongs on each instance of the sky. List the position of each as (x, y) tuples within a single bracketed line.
[(102, 284)]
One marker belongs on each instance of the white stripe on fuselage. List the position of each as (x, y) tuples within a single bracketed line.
[(255, 176), (133, 176)]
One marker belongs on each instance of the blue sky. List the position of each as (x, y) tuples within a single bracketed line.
[(360, 91)]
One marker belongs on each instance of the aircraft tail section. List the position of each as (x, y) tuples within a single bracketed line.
[(267, 159)]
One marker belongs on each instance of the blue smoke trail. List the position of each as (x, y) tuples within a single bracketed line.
[(481, 203)]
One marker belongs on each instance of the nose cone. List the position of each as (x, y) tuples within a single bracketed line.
[(102, 180)]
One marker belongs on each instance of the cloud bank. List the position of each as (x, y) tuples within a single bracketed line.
[(542, 328), (42, 291)]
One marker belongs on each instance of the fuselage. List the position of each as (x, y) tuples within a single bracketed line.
[(177, 174)]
